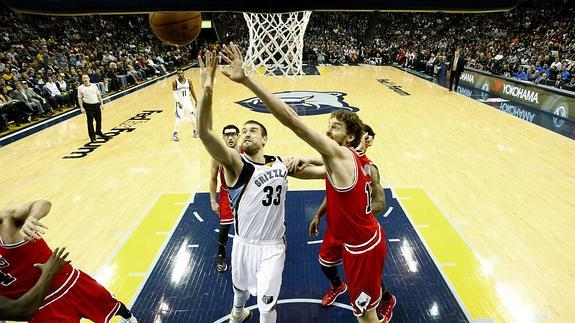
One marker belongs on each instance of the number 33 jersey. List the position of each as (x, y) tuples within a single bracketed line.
[(258, 199)]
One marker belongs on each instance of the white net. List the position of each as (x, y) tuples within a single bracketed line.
[(276, 42)]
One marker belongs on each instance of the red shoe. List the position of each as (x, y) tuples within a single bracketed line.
[(332, 294), (385, 310)]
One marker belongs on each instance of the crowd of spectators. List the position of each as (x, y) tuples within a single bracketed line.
[(533, 42), (42, 59)]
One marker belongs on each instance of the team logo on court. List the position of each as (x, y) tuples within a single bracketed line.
[(304, 102), (362, 301), (267, 299)]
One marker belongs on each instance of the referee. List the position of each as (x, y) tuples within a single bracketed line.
[(90, 102)]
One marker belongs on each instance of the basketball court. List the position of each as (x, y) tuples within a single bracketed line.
[(478, 220)]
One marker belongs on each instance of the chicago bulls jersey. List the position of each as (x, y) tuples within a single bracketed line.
[(223, 186), (349, 209), (18, 274), (221, 170)]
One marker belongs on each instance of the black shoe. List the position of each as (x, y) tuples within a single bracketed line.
[(93, 139), (103, 136), (221, 265)]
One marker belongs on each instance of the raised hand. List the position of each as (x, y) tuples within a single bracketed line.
[(32, 229), (56, 261), (296, 164), (208, 69), (232, 55), (364, 143)]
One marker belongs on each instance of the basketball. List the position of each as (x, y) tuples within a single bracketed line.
[(176, 28)]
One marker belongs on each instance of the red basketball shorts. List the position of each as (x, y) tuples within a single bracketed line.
[(85, 298)]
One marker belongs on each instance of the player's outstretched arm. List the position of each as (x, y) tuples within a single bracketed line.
[(295, 164), (35, 209), (305, 167), (281, 111), (309, 172), (26, 218), (223, 154)]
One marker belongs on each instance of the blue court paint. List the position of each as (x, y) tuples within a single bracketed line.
[(185, 287)]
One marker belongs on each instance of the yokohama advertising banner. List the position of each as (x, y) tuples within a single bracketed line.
[(555, 101)]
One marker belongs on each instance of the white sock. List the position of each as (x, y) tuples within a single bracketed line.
[(193, 117), (268, 317), (240, 299), (177, 125)]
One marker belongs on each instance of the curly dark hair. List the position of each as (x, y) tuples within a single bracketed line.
[(353, 124)]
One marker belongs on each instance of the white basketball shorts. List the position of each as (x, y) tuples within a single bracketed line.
[(181, 111), (257, 267)]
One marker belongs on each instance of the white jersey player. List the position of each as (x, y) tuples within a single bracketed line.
[(257, 186), (183, 92), (258, 253)]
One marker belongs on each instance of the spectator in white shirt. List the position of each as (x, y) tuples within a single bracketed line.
[(55, 93), (66, 92)]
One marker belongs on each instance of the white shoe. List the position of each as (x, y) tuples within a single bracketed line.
[(195, 133), (132, 319), (246, 315), (175, 137)]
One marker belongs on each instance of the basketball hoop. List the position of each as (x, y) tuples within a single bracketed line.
[(276, 42)]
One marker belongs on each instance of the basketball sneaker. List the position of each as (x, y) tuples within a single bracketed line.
[(175, 136), (221, 264), (246, 315), (332, 294), (385, 310), (195, 133), (132, 319)]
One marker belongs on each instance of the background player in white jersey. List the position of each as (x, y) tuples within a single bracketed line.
[(183, 92), (257, 186)]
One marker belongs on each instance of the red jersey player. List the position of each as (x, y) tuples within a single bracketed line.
[(222, 207), (73, 294), (347, 189), (330, 254), (24, 307)]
